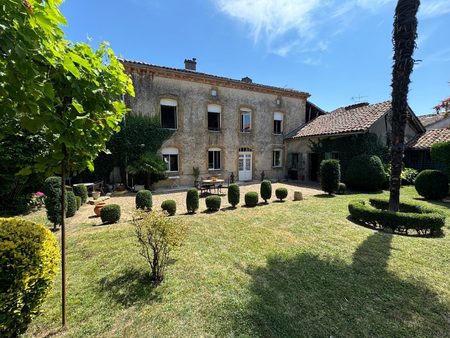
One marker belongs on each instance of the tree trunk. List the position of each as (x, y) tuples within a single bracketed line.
[(63, 237), (404, 36)]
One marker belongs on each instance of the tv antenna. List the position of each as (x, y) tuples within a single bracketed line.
[(358, 99)]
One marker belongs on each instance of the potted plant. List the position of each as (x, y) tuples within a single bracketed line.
[(95, 195)]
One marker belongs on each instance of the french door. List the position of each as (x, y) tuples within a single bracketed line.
[(245, 166)]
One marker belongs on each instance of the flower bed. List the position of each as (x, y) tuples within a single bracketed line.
[(423, 219)]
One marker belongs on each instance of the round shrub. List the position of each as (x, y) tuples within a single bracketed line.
[(52, 191), (234, 194), (110, 213), (81, 190), (281, 193), (266, 190), (144, 200), (415, 216), (213, 203), (78, 199), (365, 173), (330, 175), (29, 259), (251, 199), (432, 184), (342, 188), (71, 204), (192, 200), (170, 206)]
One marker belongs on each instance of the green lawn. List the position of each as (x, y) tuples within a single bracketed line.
[(294, 269)]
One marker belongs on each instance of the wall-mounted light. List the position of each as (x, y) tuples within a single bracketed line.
[(213, 92), (278, 101)]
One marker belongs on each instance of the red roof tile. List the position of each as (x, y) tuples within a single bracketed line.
[(430, 137)]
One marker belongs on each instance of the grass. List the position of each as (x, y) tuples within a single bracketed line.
[(294, 269)]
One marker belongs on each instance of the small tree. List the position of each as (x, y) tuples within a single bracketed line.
[(330, 175), (234, 194), (192, 200), (266, 190), (157, 235)]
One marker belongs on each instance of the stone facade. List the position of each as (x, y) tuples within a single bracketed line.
[(194, 94)]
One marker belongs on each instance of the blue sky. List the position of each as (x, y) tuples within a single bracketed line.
[(336, 50)]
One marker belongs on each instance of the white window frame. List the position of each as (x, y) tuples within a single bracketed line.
[(278, 116), (215, 150), (245, 111), (169, 103), (280, 164), (171, 152), (216, 109)]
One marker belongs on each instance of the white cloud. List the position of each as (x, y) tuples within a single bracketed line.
[(434, 8), (283, 23)]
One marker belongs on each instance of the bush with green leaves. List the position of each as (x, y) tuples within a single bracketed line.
[(342, 188), (432, 184), (170, 206), (29, 258), (52, 191), (419, 217), (365, 173), (266, 190), (234, 195), (144, 200), (110, 213), (81, 190), (213, 203), (409, 176), (192, 200), (71, 204), (78, 199), (251, 199), (281, 193), (330, 175), (157, 236), (440, 152)]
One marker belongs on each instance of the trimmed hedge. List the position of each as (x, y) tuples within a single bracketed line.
[(266, 190), (192, 200), (170, 206), (52, 191), (144, 200), (213, 203), (29, 259), (81, 190), (234, 194), (78, 199), (110, 213), (330, 175), (414, 216), (281, 193), (251, 199), (432, 184), (365, 173), (71, 204)]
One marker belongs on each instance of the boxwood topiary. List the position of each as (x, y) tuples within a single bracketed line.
[(281, 193), (71, 204), (342, 188), (170, 206), (213, 203), (81, 190), (365, 173), (52, 191), (78, 199), (234, 194), (421, 218), (144, 200), (192, 200), (251, 199), (432, 184), (330, 175), (29, 259), (110, 213), (266, 190)]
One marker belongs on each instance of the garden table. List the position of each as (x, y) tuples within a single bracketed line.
[(212, 183)]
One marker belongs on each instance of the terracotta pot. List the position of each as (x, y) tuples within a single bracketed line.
[(99, 207)]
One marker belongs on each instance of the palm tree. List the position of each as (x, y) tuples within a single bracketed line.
[(404, 39)]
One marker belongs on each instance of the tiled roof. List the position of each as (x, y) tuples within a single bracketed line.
[(223, 80), (432, 118), (427, 139), (352, 119)]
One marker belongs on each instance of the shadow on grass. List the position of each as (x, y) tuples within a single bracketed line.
[(309, 296), (434, 202), (131, 287), (324, 196)]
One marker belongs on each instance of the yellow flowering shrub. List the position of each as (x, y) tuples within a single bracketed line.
[(29, 258)]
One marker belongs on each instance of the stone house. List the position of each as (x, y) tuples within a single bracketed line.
[(435, 121), (221, 125)]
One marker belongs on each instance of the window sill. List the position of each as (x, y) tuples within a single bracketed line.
[(274, 134), (277, 166), (214, 131), (214, 169), (246, 132)]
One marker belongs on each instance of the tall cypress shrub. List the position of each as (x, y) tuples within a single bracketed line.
[(330, 175)]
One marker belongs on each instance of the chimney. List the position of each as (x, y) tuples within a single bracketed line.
[(246, 79), (190, 64)]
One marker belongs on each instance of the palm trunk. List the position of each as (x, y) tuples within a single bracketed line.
[(404, 36)]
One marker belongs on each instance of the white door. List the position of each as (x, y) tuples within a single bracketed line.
[(245, 166)]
